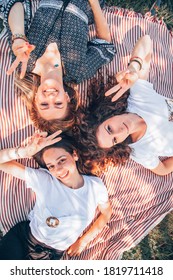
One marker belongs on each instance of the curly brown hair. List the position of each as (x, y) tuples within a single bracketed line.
[(28, 87), (97, 159)]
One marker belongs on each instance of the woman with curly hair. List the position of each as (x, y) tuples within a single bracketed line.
[(53, 50), (143, 130), (96, 159), (66, 201)]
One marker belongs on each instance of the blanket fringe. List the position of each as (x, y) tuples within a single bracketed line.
[(131, 14)]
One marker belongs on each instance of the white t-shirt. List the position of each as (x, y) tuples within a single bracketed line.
[(157, 112), (74, 208)]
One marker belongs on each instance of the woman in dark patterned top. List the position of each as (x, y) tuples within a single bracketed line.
[(54, 52)]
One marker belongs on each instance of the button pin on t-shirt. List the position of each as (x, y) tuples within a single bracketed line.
[(52, 222)]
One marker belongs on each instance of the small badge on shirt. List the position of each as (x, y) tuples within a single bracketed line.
[(52, 222), (169, 103)]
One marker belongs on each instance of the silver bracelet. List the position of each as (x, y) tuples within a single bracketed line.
[(17, 151)]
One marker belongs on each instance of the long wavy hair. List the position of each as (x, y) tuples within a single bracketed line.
[(97, 159), (28, 87)]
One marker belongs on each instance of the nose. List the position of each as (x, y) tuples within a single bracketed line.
[(58, 169)]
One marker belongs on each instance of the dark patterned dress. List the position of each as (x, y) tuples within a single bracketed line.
[(67, 24)]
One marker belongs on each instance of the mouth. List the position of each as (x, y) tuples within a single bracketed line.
[(63, 176), (126, 127), (51, 90)]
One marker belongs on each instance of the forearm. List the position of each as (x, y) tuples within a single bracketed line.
[(97, 226), (16, 19), (142, 50), (7, 155), (165, 167), (102, 28)]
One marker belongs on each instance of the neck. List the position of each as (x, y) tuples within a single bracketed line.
[(51, 73), (77, 183), (49, 63), (139, 129)]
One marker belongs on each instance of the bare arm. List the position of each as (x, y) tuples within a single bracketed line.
[(16, 19), (165, 167), (81, 242), (20, 47), (37, 143), (102, 28), (129, 76)]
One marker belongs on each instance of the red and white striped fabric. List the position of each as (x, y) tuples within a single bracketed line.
[(139, 198)]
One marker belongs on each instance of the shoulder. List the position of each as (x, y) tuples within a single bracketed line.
[(96, 183), (141, 84), (148, 161), (40, 174)]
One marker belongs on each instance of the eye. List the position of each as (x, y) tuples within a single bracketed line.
[(62, 160), (58, 103), (44, 104), (115, 141), (51, 167), (109, 129)]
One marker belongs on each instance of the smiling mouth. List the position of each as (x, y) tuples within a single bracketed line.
[(51, 90), (63, 176), (126, 127)]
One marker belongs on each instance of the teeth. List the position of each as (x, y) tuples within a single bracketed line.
[(63, 175), (50, 90)]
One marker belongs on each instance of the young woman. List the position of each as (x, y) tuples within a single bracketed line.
[(144, 129), (54, 50), (65, 205)]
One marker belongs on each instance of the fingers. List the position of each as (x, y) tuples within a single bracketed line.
[(112, 90), (22, 55), (20, 49), (23, 69), (73, 253), (119, 94), (13, 66), (53, 135)]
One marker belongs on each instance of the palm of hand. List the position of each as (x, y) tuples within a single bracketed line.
[(39, 141), (125, 79), (21, 50)]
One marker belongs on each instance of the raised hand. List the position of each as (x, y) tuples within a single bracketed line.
[(125, 79), (37, 142), (21, 50)]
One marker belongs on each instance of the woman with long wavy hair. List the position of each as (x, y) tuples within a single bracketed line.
[(142, 127), (54, 52)]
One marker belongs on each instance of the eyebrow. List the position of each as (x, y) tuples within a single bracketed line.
[(56, 160)]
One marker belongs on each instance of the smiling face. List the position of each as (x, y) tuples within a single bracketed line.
[(113, 131), (61, 165), (51, 100)]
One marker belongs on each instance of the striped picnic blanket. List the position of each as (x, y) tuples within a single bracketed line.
[(139, 198)]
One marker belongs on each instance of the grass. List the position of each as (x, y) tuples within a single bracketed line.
[(165, 11), (158, 244)]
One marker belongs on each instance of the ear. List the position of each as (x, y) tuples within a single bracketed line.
[(68, 97), (75, 156)]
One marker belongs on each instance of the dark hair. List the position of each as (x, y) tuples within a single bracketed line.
[(29, 86), (67, 143), (95, 158)]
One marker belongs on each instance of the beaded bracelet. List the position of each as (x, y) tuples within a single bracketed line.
[(19, 36)]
